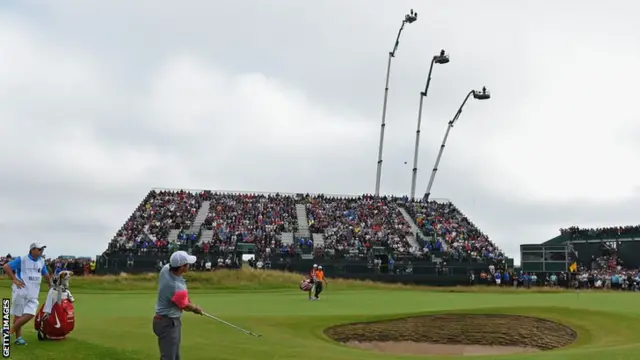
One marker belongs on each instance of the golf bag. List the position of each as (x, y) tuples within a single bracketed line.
[(306, 285), (56, 317)]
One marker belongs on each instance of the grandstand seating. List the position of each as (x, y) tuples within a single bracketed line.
[(358, 223), (159, 213), (250, 218), (450, 232), (272, 224)]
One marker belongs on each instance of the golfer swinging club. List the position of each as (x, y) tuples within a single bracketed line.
[(173, 299), (26, 273)]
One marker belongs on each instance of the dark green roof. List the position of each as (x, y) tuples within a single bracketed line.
[(558, 240)]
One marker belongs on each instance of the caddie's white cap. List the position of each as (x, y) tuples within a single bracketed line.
[(180, 258), (36, 245), (315, 265)]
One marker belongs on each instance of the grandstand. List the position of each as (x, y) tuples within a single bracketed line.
[(303, 226), (592, 249)]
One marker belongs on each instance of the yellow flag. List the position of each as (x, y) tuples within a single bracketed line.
[(573, 267)]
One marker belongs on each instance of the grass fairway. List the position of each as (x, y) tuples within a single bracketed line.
[(114, 319)]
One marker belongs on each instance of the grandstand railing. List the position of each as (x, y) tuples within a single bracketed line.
[(239, 192)]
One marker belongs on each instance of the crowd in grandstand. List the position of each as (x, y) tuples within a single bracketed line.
[(349, 225), (449, 231), (247, 218), (614, 232), (359, 223), (149, 226)]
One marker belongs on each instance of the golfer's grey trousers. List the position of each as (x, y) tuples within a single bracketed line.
[(168, 330)]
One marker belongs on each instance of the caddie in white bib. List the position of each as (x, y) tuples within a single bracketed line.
[(26, 273)]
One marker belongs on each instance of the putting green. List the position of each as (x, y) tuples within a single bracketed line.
[(117, 324)]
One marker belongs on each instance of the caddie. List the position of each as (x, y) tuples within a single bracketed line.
[(173, 299), (26, 273)]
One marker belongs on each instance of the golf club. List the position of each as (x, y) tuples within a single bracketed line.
[(231, 325)]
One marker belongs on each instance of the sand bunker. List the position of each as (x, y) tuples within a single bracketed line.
[(456, 334), (416, 348)]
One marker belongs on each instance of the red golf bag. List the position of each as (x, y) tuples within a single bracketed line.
[(306, 285), (58, 324)]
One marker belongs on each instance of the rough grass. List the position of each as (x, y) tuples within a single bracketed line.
[(238, 280), (259, 280)]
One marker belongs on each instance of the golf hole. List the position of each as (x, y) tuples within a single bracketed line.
[(455, 334)]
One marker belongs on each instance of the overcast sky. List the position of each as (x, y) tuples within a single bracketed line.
[(102, 100)]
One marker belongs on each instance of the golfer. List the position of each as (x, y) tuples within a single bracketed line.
[(173, 299), (26, 273)]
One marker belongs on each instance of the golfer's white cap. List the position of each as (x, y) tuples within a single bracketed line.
[(320, 267), (180, 258), (37, 245)]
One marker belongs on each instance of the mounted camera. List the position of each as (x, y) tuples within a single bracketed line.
[(411, 17), (443, 58), (483, 94)]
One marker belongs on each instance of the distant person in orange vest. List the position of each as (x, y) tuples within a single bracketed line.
[(320, 281)]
